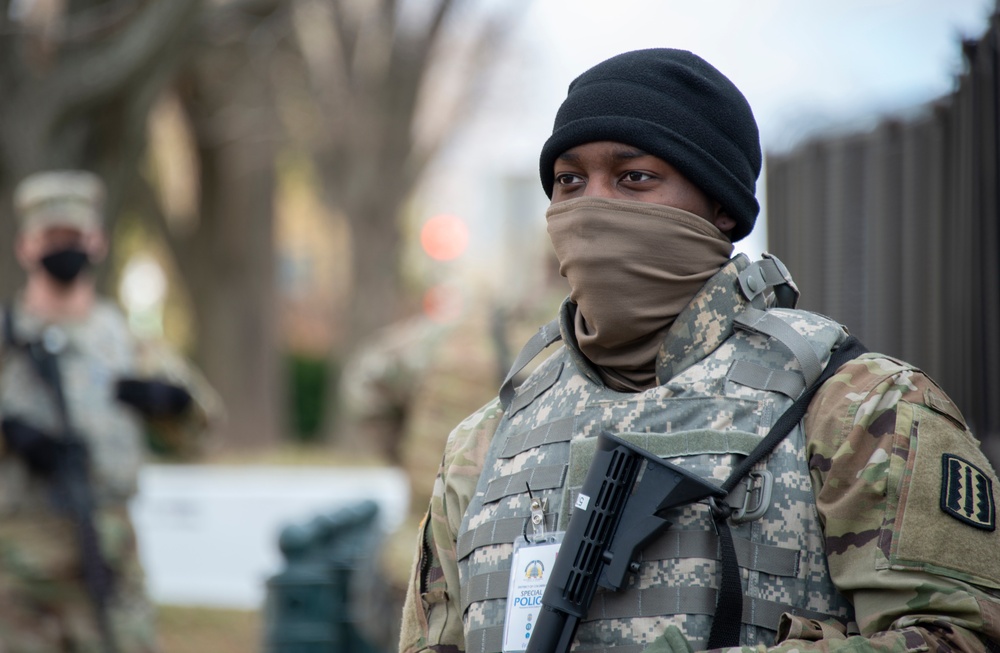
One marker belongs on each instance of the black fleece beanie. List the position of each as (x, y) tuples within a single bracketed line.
[(672, 104)]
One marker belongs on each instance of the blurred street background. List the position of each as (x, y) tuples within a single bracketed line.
[(333, 207)]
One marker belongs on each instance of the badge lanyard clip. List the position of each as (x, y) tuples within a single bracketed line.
[(537, 519)]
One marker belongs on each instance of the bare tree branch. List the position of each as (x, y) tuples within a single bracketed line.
[(437, 21), (89, 24), (93, 76), (346, 35), (118, 169), (318, 36), (477, 76)]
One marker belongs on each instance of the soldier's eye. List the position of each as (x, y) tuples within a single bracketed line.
[(566, 178), (637, 176)]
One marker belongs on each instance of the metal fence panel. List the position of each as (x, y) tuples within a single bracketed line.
[(896, 232)]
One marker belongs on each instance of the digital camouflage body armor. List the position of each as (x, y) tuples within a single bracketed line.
[(94, 353), (704, 415)]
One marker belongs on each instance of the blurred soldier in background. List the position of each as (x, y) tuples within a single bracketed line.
[(406, 390), (401, 391), (81, 400)]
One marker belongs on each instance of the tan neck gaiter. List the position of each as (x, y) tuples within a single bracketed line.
[(632, 267)]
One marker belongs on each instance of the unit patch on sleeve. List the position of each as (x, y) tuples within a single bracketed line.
[(967, 493)]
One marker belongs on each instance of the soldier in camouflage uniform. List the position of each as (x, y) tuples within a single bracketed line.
[(120, 397), (871, 526), (405, 389)]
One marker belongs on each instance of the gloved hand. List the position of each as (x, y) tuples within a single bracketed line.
[(153, 398), (41, 452), (671, 641)]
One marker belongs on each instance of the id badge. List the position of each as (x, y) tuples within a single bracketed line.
[(529, 572)]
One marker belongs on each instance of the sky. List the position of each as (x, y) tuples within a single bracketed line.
[(805, 66), (794, 59)]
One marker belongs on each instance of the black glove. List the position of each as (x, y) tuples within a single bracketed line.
[(41, 452), (153, 398)]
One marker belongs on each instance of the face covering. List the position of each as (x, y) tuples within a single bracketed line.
[(632, 268), (65, 265)]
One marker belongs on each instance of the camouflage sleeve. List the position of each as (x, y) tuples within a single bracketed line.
[(184, 436), (432, 614), (385, 375), (907, 500)]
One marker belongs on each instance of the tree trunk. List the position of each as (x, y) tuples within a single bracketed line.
[(229, 260), (376, 248), (231, 285), (377, 242)]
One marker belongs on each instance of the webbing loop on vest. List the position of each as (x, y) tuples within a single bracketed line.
[(791, 384), (542, 338), (724, 634)]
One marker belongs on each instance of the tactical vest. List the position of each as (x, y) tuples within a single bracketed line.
[(705, 419), (94, 353)]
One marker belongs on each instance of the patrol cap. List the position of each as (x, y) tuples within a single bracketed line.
[(66, 198)]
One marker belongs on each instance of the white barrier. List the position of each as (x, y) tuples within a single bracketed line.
[(208, 534)]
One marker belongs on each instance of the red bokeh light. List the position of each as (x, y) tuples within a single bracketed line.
[(444, 237)]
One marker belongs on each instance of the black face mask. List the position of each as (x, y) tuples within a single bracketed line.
[(65, 265)]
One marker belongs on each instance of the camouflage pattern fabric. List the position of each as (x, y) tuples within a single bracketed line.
[(43, 604), (380, 381), (700, 420), (905, 498)]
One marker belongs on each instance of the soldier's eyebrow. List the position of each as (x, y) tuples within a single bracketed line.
[(569, 157), (622, 153), (626, 153)]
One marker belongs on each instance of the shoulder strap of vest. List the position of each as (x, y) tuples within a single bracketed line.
[(726, 624), (766, 323), (769, 272), (45, 362), (850, 349), (544, 337)]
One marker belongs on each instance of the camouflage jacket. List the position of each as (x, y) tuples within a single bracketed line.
[(909, 530), (95, 353)]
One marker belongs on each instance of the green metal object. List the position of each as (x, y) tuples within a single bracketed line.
[(308, 607)]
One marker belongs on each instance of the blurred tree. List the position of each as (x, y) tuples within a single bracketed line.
[(371, 88), (222, 236), (391, 81), (77, 80)]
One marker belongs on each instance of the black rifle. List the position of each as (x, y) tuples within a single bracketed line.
[(70, 480), (620, 508)]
